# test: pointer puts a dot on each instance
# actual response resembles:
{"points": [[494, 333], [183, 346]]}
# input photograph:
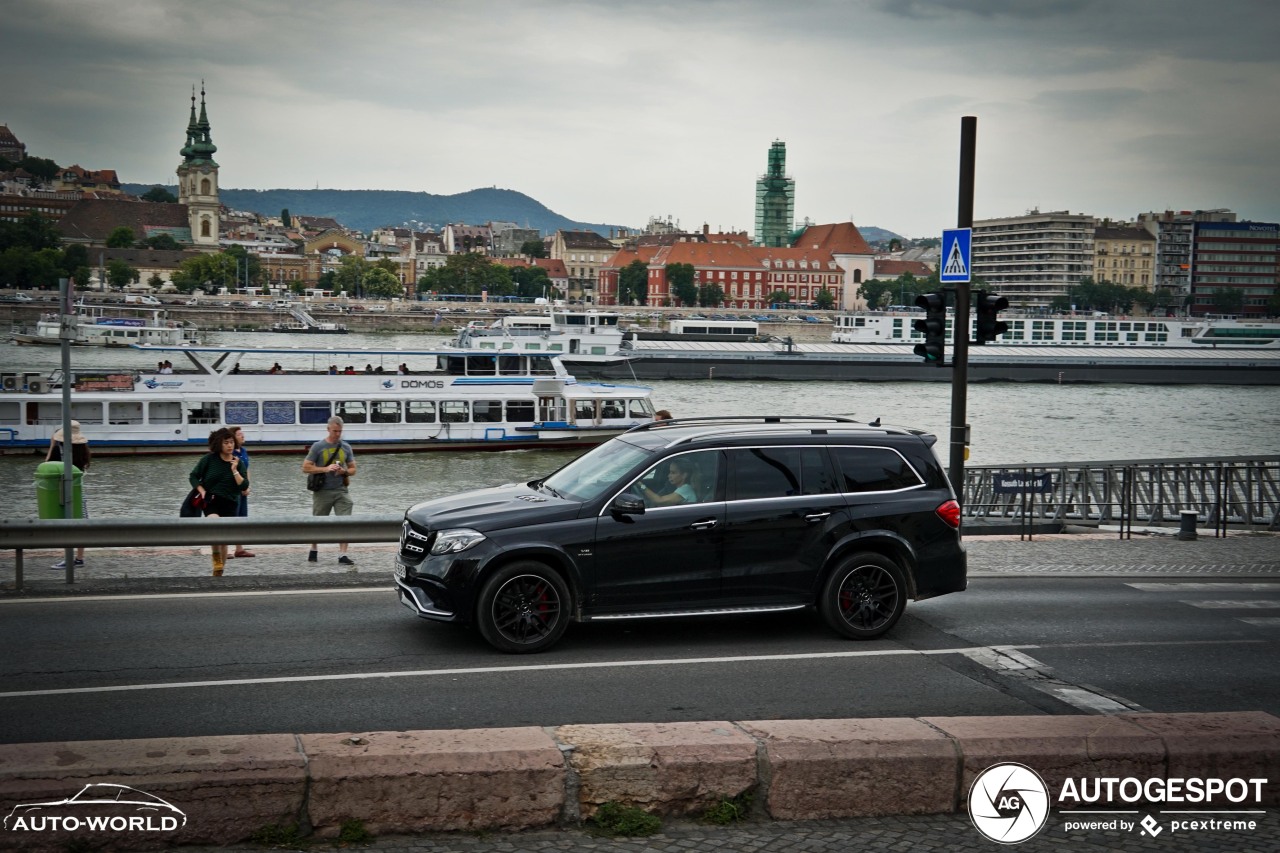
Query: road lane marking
{"points": [[489, 670], [1231, 604], [1264, 586], [1010, 661], [383, 590]]}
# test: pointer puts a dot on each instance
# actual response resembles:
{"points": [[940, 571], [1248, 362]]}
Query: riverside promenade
{"points": [[147, 570]]}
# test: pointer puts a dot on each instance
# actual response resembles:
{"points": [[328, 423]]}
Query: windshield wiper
{"points": [[543, 485]]}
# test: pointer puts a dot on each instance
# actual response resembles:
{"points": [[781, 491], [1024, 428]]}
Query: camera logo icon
{"points": [[1008, 803]]}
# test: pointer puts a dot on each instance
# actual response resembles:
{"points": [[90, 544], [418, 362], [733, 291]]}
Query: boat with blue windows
{"points": [[390, 400]]}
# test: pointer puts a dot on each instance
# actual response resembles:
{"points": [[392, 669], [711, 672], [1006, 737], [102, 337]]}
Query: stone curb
{"points": [[231, 787]]}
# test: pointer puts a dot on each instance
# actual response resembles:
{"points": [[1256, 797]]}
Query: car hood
{"points": [[493, 509]]}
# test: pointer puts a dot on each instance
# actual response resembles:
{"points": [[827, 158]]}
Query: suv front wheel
{"points": [[523, 607], [864, 596]]}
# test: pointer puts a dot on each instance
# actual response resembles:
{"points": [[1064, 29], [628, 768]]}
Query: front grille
{"points": [[415, 542]]}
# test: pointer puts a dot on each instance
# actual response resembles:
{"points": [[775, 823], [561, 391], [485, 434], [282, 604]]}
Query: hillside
{"points": [[365, 210]]}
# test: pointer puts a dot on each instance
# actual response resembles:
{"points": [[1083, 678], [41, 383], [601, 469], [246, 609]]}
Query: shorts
{"points": [[335, 500]]}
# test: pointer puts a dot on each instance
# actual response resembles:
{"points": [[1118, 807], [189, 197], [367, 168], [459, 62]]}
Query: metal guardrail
{"points": [[1242, 491], [20, 534]]}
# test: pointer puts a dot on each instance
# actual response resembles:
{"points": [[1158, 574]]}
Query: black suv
{"points": [[692, 517]]}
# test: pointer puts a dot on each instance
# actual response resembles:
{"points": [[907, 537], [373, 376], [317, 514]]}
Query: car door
{"points": [[668, 557], [783, 514]]}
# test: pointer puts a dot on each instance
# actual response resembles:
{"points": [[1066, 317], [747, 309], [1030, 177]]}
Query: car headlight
{"points": [[456, 541]]}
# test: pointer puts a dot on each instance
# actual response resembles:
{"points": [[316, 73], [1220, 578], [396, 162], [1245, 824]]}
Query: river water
{"points": [[1010, 424]]}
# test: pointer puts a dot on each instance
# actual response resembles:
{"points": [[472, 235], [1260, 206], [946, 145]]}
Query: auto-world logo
{"points": [[100, 807], [1008, 803]]}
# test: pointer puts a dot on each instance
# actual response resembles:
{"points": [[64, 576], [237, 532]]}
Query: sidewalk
{"points": [[141, 570]]}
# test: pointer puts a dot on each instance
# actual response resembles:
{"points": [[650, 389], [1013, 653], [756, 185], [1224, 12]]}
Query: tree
{"points": [[285, 219], [350, 274], [680, 279], [248, 267], [32, 231], [120, 275], [206, 272], [381, 284], [75, 264], [1228, 300], [467, 274], [633, 284], [533, 249], [155, 281], [826, 299], [531, 282], [121, 237], [42, 167], [710, 295], [162, 241], [160, 195], [779, 297]]}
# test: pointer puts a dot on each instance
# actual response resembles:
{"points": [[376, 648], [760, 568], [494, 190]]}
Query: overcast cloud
{"points": [[614, 112]]}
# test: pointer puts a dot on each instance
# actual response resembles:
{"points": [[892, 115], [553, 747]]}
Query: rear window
{"points": [[873, 469]]}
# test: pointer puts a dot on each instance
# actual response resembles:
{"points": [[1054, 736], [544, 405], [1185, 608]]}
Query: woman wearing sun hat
{"points": [[80, 458]]}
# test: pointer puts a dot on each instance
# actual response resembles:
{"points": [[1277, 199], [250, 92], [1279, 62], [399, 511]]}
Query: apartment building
{"points": [[1235, 267], [1124, 255], [1033, 258], [583, 253], [1173, 232]]}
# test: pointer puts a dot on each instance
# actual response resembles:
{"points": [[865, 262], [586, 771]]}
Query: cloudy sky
{"points": [[617, 111]]}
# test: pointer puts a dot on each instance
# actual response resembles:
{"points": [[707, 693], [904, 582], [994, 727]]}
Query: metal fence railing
{"points": [[1241, 491]]}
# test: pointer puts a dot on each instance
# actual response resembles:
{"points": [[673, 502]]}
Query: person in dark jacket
{"points": [[221, 484]]}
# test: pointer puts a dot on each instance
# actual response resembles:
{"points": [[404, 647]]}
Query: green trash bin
{"points": [[49, 490]]}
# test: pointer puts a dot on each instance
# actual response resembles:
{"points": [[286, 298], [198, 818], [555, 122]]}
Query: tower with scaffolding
{"points": [[775, 200]]}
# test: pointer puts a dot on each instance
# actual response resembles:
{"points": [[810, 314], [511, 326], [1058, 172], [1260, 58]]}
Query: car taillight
{"points": [[950, 513]]}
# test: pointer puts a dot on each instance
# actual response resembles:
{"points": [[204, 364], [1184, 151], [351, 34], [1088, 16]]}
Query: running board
{"points": [[663, 614]]}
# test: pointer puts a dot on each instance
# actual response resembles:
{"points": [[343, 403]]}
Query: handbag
{"points": [[315, 482], [193, 505]]}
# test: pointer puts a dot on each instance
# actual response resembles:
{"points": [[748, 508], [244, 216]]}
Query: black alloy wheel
{"points": [[523, 607], [864, 597]]}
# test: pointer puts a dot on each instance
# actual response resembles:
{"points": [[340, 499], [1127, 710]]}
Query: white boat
{"points": [[108, 326], [895, 327], [448, 400], [565, 332]]}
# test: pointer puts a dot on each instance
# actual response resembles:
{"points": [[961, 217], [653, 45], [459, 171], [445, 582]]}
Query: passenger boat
{"points": [[447, 400], [890, 327], [109, 326]]}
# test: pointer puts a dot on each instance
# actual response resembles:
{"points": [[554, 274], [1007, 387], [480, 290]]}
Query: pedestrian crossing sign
{"points": [[956, 257]]}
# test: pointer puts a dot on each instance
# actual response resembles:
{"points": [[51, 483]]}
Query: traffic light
{"points": [[933, 327], [989, 325]]}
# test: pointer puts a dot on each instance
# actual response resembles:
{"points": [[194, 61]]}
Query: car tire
{"points": [[864, 596], [523, 608]]}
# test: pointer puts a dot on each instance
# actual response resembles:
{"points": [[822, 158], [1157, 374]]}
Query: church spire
{"points": [[191, 129], [202, 147]]}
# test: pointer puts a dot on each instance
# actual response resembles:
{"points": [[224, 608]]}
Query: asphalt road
{"points": [[80, 668]]}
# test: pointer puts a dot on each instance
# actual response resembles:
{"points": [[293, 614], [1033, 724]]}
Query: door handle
{"points": [[703, 525], [816, 516]]}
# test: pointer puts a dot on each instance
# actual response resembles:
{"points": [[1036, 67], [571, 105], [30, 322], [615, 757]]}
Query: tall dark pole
{"points": [[67, 329], [960, 326]]}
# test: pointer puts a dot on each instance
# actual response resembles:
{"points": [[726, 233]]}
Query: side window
{"points": [[684, 479], [873, 469], [816, 475], [765, 472]]}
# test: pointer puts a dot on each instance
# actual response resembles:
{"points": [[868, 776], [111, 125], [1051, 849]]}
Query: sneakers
{"points": [[346, 561], [62, 564], [313, 557]]}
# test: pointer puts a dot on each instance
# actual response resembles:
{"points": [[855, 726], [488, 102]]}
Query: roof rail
{"points": [[744, 419]]}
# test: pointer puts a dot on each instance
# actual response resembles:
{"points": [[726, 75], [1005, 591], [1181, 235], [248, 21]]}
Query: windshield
{"points": [[592, 473]]}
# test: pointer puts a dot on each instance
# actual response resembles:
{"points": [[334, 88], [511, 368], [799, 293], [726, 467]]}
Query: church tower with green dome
{"points": [[198, 178]]}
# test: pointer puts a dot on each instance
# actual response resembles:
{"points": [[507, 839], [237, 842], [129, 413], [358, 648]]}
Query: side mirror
{"points": [[627, 504]]}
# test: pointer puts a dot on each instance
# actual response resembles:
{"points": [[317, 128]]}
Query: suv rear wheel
{"points": [[523, 607], [864, 596]]}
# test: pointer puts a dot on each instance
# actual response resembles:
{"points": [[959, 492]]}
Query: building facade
{"points": [[1034, 258], [1173, 232], [1235, 267], [583, 253], [1124, 255]]}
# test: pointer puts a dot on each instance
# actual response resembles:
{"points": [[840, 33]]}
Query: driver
{"points": [[678, 477]]}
